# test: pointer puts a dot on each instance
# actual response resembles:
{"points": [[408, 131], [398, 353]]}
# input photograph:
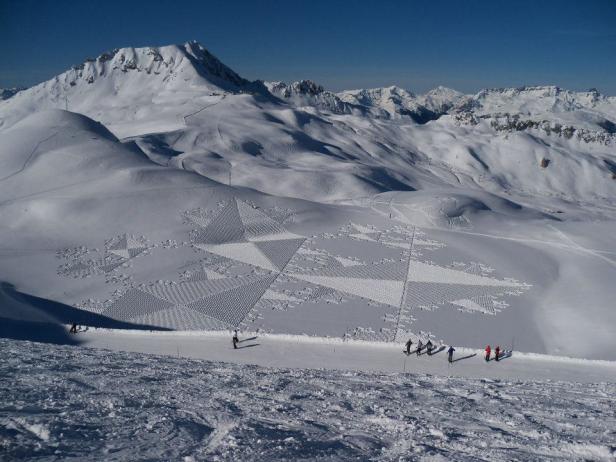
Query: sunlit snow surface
{"points": [[68, 403]]}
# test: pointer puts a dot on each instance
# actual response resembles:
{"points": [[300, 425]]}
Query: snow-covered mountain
{"points": [[395, 101], [305, 93], [144, 86], [284, 200], [6, 93], [440, 99], [589, 114]]}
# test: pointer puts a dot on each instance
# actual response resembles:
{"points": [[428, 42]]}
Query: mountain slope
{"points": [[143, 86]]}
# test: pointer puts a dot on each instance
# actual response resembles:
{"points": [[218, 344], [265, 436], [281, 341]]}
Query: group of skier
{"points": [[429, 346], [497, 353]]}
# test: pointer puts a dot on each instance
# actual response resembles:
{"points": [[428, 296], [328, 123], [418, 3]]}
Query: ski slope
{"points": [[81, 403]]}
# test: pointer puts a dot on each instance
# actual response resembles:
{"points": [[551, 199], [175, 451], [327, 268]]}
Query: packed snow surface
{"points": [[59, 402]]}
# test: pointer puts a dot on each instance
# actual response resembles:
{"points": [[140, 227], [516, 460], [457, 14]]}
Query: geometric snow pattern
{"points": [[233, 305], [126, 247], [388, 292], [181, 318], [135, 303], [120, 252], [243, 233], [428, 295], [256, 223], [228, 287], [279, 252], [225, 227], [424, 272], [187, 292], [382, 271], [246, 252]]}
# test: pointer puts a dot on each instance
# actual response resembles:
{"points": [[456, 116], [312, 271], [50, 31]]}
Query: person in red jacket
{"points": [[497, 352], [488, 351]]}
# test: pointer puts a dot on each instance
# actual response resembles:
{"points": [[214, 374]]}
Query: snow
{"points": [[162, 200], [66, 402], [301, 211]]}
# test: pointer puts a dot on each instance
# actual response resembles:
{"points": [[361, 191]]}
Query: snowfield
{"points": [[155, 187], [159, 200], [60, 402]]}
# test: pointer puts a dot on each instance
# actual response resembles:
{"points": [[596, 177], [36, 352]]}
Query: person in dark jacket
{"points": [[450, 353], [497, 353], [408, 346], [73, 329], [429, 347], [419, 347], [235, 339]]}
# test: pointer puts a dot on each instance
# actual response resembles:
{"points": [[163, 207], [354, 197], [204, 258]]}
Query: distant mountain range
{"points": [[394, 138]]}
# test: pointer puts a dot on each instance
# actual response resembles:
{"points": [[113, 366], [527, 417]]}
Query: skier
{"points": [[488, 351], [408, 346], [429, 347], [497, 352], [419, 347], [450, 353], [73, 329], [235, 339]]}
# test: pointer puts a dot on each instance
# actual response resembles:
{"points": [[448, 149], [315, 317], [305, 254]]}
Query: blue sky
{"points": [[463, 44]]}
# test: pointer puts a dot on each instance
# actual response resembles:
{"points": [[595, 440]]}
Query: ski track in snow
{"points": [[72, 403]]}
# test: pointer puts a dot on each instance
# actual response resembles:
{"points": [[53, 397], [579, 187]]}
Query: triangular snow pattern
{"points": [[232, 306], [378, 290], [181, 318], [280, 252], [121, 244], [384, 271], [123, 253], [134, 251], [189, 291], [246, 252], [226, 227], [135, 303], [257, 223], [426, 294], [468, 304], [424, 272]]}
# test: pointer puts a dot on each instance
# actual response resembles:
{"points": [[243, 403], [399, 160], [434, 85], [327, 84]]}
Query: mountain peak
{"points": [[188, 58]]}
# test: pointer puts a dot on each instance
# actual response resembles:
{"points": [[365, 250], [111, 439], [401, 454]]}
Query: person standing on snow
{"points": [[235, 339], [429, 347], [419, 347], [450, 353], [408, 346], [73, 329], [497, 352], [488, 351]]}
